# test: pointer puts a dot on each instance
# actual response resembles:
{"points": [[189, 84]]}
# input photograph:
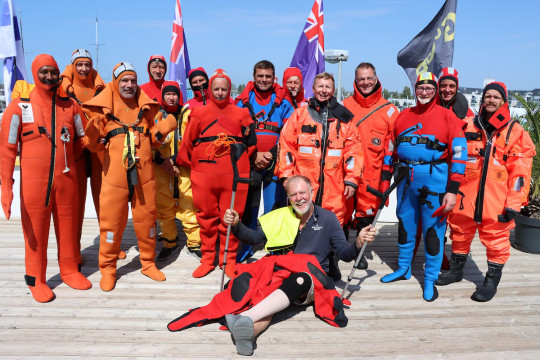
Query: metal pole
{"points": [[339, 98]]}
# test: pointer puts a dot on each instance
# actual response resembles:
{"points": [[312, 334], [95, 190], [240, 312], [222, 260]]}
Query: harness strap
{"points": [[413, 140], [261, 125], [214, 138], [124, 130]]}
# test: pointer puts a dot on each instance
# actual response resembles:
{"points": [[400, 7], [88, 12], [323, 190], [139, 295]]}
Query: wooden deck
{"points": [[386, 321]]}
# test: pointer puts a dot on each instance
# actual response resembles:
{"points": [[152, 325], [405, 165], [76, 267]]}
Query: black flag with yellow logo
{"points": [[432, 49]]}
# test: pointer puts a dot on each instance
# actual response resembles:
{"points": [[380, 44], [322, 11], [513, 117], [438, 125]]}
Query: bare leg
{"points": [[262, 325]]}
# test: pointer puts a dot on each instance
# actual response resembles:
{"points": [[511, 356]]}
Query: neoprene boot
{"points": [[455, 274], [488, 290]]}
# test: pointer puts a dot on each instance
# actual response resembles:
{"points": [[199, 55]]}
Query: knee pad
{"points": [[433, 246], [402, 234], [296, 285]]}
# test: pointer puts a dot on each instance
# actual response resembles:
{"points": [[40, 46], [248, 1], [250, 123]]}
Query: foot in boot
{"points": [[195, 251], [230, 319], [107, 282], [153, 273], [455, 274], [166, 253], [230, 270], [76, 281], [488, 290], [362, 264], [122, 255], [41, 293], [203, 270], [399, 274], [430, 291], [243, 335]]}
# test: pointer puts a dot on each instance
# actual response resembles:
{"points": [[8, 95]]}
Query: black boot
{"points": [[455, 274], [488, 290]]}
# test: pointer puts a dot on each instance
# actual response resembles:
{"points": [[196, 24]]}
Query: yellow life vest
{"points": [[280, 227]]}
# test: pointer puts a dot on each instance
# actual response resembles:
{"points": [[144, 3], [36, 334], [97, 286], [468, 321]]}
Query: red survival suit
{"points": [[496, 183], [205, 148], [258, 280], [126, 130], [373, 121], [153, 87], [83, 88], [298, 100], [48, 129], [330, 156]]}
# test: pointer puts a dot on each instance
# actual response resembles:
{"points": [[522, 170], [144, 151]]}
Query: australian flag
{"points": [[11, 48], [309, 54], [432, 49], [179, 61]]}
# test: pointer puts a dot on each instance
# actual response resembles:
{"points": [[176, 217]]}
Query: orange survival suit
{"points": [[374, 119], [48, 129], [496, 183], [83, 88], [318, 141], [125, 130], [206, 149]]}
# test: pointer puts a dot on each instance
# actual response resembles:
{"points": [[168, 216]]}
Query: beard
{"points": [[299, 211], [424, 101]]}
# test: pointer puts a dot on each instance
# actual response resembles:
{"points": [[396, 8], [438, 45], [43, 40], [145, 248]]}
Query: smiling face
{"points": [[48, 75], [425, 93], [365, 80], [447, 89], [263, 79], [127, 86], [300, 195], [493, 100], [157, 70], [323, 89], [83, 67], [294, 85]]}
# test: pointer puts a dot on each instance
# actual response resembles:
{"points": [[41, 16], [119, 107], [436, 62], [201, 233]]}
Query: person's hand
{"points": [[230, 217], [169, 166], [7, 197], [366, 234], [349, 191], [262, 159], [449, 201]]}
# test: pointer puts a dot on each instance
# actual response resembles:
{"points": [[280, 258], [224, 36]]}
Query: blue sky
{"points": [[492, 38]]}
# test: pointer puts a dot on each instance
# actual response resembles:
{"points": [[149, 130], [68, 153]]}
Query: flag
{"points": [[179, 61], [309, 54], [433, 48], [11, 48]]}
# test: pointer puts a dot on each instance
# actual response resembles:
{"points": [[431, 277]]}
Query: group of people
{"points": [[169, 159]]}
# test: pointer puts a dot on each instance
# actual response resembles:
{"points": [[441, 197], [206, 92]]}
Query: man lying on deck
{"points": [[307, 234]]}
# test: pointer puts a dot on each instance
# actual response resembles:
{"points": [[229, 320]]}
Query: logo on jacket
{"points": [[317, 227], [376, 141]]}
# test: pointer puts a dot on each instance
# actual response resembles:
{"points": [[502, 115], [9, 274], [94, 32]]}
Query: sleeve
{"points": [[186, 147], [288, 110], [457, 148], [354, 158], [344, 251], [249, 236], [287, 148], [10, 131], [518, 165], [389, 156], [80, 121], [94, 131]]}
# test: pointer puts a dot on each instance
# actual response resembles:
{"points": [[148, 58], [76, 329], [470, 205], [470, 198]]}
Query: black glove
{"points": [[508, 215]]}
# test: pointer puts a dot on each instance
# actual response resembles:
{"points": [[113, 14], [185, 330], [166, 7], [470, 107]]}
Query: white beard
{"points": [[423, 101]]}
